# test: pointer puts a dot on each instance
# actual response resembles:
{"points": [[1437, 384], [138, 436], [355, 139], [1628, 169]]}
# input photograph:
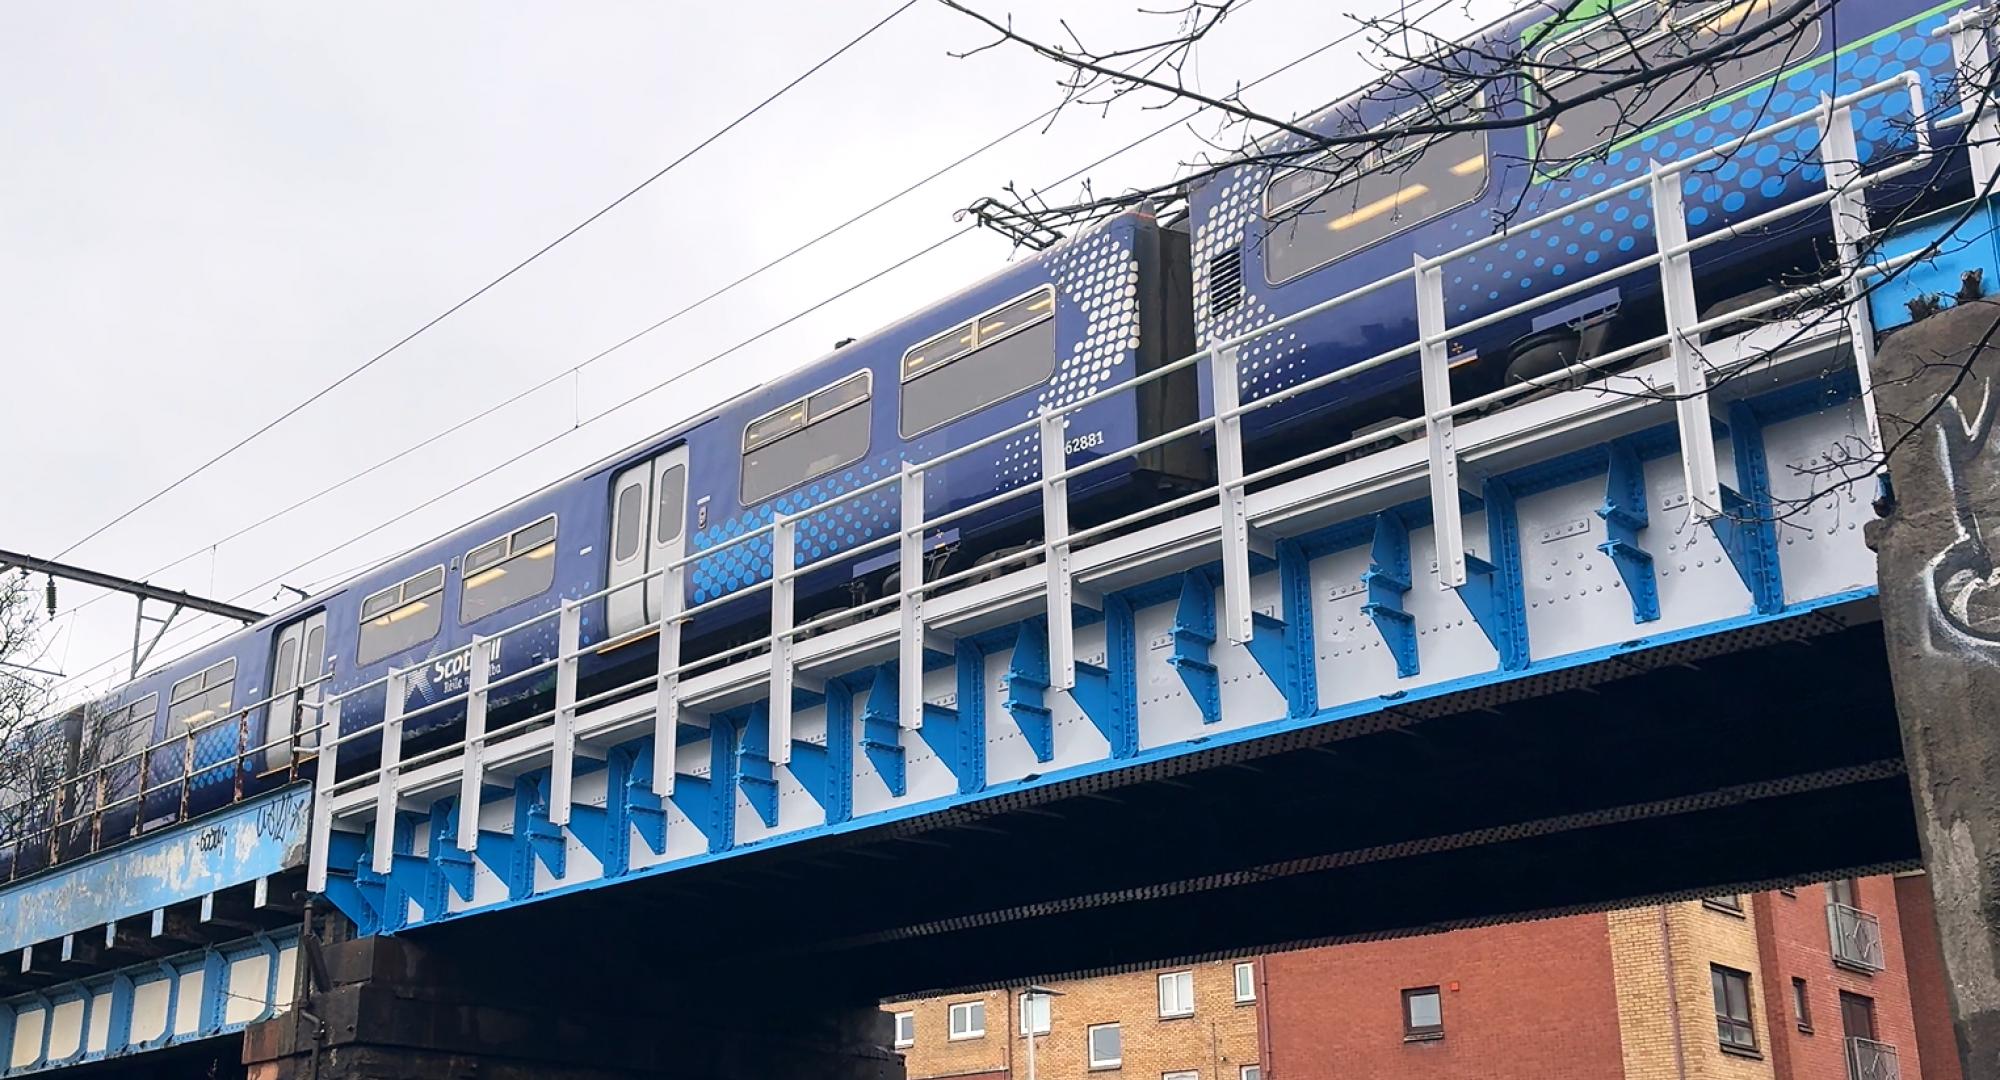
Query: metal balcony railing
{"points": [[1871, 1060], [1855, 937]]}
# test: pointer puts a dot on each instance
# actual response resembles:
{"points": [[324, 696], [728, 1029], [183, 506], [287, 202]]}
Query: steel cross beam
{"points": [[127, 585]]}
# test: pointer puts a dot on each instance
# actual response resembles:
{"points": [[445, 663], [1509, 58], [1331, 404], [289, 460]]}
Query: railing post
{"points": [[562, 751], [1972, 51], [1055, 553], [1225, 392], [910, 647], [667, 682], [1704, 485], [784, 557], [1841, 158], [472, 780], [1434, 365], [242, 753], [325, 765], [386, 780]]}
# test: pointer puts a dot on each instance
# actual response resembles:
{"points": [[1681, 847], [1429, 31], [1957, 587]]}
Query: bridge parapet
{"points": [[183, 934]]}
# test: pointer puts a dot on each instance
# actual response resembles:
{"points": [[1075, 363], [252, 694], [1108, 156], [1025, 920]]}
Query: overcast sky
{"points": [[208, 211]]}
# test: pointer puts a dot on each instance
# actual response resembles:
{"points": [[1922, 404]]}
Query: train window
{"points": [[1650, 35], [125, 729], [401, 616], [1004, 352], [626, 543], [203, 698], [667, 520], [514, 568], [808, 438], [1335, 206]]}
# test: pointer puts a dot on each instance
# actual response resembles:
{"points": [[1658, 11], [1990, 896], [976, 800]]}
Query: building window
{"points": [[401, 617], [1801, 1007], [806, 439], [1246, 982], [1732, 903], [1184, 1074], [1007, 351], [1251, 1072], [968, 1020], [1846, 892], [1106, 1046], [906, 1029], [1423, 1014], [508, 570], [1733, 1026], [1034, 1014], [1177, 994]]}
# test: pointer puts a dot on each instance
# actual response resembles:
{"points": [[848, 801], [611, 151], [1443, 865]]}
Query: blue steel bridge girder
{"points": [[1341, 605]]}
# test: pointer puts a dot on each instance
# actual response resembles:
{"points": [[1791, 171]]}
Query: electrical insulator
{"points": [[52, 597]]}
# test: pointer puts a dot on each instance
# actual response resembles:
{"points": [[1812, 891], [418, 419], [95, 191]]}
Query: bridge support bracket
{"points": [[1625, 516], [1109, 693], [1745, 527], [1493, 591], [1027, 684], [1387, 579]]}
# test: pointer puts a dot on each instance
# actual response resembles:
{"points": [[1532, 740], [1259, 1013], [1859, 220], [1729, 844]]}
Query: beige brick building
{"points": [[1187, 1023]]}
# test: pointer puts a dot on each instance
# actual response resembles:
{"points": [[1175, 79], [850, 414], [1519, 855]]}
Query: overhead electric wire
{"points": [[484, 289], [634, 398]]}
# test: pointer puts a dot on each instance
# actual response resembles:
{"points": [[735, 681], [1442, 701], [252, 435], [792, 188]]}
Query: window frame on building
{"points": [[1046, 1013], [1181, 1074], [1801, 1005], [1184, 983], [1729, 904], [906, 1019], [1245, 984], [1250, 1072], [1090, 1046], [1845, 892], [1734, 1034], [1413, 1031], [952, 1012]]}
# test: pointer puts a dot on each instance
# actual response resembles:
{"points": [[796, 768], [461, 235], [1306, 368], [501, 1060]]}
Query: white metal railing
{"points": [[1854, 936], [1871, 1060], [1847, 183]]}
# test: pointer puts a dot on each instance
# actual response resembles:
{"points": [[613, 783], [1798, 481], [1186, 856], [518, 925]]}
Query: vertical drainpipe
{"points": [[1262, 1008], [1673, 996]]}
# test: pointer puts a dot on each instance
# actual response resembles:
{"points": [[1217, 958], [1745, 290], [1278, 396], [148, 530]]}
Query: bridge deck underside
{"points": [[1760, 756]]}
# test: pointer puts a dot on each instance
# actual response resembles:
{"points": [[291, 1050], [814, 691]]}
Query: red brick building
{"points": [[1813, 983]]}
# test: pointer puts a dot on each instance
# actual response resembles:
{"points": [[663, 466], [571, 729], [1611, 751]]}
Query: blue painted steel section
{"points": [[881, 731], [826, 770], [1625, 516], [1109, 694], [247, 841], [957, 735], [1027, 686], [1492, 591], [1234, 736], [756, 777], [115, 992], [1282, 644], [1747, 529], [1387, 579], [1194, 638]]}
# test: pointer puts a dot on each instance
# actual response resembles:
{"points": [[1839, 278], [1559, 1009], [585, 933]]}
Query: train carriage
{"points": [[1273, 239]]}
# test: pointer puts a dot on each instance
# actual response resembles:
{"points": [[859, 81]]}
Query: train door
{"points": [[297, 661], [648, 520]]}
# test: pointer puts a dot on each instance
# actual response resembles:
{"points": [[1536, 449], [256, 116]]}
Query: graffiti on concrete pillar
{"points": [[1964, 582]]}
